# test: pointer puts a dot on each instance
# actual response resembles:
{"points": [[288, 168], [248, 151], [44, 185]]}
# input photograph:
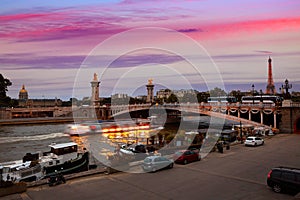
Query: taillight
{"points": [[269, 174]]}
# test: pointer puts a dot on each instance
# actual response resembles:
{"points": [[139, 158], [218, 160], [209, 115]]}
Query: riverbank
{"points": [[47, 120]]}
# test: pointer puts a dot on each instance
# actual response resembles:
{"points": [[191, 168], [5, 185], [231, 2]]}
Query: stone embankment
{"points": [[36, 120]]}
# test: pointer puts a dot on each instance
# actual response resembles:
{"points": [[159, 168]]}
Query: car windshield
{"points": [[178, 153], [147, 160], [249, 138]]}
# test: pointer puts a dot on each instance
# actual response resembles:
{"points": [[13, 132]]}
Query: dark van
{"points": [[284, 179]]}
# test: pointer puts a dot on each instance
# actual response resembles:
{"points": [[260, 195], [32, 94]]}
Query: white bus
{"points": [[266, 99], [222, 99]]}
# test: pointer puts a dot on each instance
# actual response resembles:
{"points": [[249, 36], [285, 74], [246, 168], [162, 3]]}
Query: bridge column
{"points": [[275, 119], [261, 117], [239, 113], [249, 115]]}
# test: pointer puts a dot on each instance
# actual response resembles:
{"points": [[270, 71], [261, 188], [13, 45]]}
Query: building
{"points": [[182, 92], [23, 94], [163, 93], [25, 102]]}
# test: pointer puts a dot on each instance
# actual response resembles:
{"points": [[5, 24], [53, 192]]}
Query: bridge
{"points": [[219, 110]]}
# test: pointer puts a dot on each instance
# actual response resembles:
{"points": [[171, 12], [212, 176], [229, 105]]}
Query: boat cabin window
{"points": [[64, 150]]}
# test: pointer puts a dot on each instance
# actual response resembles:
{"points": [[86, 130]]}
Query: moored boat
{"points": [[64, 158]]}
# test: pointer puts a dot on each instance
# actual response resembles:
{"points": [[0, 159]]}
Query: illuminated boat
{"points": [[109, 127]]}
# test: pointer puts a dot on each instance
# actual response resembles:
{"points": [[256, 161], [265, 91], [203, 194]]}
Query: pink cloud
{"points": [[56, 25], [220, 30]]}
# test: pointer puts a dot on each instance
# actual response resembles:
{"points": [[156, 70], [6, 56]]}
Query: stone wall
{"points": [[290, 118], [5, 113]]}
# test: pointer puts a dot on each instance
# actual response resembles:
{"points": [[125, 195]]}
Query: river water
{"points": [[16, 141]]}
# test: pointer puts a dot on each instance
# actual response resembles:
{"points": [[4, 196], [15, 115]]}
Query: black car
{"points": [[284, 179]]}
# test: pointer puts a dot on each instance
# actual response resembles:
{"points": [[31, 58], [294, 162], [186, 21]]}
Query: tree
{"points": [[216, 92], [172, 99], [4, 83], [189, 97], [202, 96], [237, 94]]}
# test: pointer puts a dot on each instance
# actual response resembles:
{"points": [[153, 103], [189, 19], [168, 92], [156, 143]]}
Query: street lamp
{"points": [[241, 132], [261, 93], [253, 92], [286, 86], [44, 101]]}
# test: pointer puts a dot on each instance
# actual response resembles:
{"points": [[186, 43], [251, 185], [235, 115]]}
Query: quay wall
{"points": [[36, 120]]}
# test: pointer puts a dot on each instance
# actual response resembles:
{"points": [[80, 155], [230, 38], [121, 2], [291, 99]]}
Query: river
{"points": [[16, 141]]}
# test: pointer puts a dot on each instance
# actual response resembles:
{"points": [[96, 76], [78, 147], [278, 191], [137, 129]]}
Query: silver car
{"points": [[155, 163]]}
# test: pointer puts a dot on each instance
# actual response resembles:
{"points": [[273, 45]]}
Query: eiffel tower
{"points": [[270, 86]]}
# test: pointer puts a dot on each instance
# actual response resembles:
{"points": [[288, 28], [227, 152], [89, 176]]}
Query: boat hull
{"points": [[69, 167]]}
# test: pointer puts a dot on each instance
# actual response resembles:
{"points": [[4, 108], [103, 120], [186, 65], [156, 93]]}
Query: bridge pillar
{"points": [[261, 117], [239, 113], [249, 115], [275, 119]]}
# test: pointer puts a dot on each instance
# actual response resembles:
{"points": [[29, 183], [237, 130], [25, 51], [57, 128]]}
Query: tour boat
{"points": [[63, 158], [85, 128]]}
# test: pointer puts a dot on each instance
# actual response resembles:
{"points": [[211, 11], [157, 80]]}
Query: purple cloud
{"points": [[264, 52], [136, 60], [190, 30], [32, 61]]}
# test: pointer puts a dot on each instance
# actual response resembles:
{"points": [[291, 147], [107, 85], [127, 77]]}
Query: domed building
{"points": [[24, 101], [23, 94]]}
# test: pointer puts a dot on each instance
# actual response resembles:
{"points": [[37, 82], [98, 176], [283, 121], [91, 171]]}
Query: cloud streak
{"points": [[31, 61]]}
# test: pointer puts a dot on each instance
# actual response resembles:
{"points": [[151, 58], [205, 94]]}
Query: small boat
{"points": [[63, 158]]}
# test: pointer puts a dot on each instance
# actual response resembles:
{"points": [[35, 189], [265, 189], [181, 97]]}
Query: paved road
{"points": [[239, 173]]}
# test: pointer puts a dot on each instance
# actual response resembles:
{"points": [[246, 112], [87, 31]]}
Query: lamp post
{"points": [[253, 92], [44, 100], [241, 132], [261, 93], [286, 86]]}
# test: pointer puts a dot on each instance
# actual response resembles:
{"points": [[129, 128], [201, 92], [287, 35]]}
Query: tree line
{"points": [[5, 101]]}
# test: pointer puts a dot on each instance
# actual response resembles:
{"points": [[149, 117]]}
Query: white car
{"points": [[254, 141]]}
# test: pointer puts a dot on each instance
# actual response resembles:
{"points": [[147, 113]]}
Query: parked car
{"points": [[186, 156], [155, 163], [284, 179], [254, 141]]}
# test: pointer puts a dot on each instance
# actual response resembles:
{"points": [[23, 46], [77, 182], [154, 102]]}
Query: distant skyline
{"points": [[44, 44]]}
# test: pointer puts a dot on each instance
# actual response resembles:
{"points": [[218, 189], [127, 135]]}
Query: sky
{"points": [[55, 47]]}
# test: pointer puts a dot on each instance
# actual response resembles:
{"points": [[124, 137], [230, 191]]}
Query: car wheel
{"points": [[277, 188], [185, 162], [255, 144], [154, 169], [171, 166], [262, 143]]}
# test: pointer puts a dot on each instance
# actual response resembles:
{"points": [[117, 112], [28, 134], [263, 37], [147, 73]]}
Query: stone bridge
{"points": [[219, 110], [286, 118]]}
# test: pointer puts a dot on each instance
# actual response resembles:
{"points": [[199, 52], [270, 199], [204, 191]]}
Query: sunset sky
{"points": [[47, 45]]}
